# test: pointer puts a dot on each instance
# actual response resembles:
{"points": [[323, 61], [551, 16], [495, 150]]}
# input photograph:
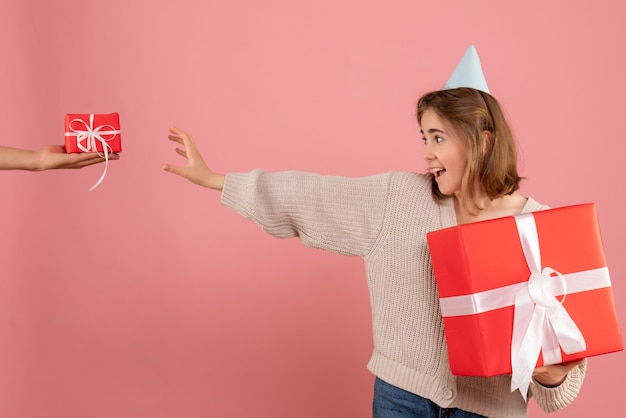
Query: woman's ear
{"points": [[487, 139]]}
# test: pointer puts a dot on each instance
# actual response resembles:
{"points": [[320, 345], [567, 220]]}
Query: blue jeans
{"points": [[393, 402]]}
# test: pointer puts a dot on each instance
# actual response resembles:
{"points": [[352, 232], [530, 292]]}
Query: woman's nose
{"points": [[428, 154]]}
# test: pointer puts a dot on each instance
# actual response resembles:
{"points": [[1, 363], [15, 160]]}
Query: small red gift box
{"points": [[93, 133], [532, 288]]}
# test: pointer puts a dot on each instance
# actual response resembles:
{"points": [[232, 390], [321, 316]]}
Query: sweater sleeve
{"points": [[553, 399], [333, 213]]}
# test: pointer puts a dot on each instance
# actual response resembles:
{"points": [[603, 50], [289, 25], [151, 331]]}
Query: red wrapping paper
{"points": [[476, 257], [89, 133]]}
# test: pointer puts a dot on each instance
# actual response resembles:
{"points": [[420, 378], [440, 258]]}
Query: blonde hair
{"points": [[471, 112]]}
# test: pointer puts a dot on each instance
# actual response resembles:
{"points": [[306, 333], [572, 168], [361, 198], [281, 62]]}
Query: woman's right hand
{"points": [[196, 170]]}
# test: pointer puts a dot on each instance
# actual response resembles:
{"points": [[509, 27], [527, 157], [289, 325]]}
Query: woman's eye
{"points": [[435, 139]]}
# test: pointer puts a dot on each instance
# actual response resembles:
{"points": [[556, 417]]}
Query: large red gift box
{"points": [[501, 281], [92, 133]]}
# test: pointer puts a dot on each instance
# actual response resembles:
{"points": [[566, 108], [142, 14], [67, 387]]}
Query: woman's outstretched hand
{"points": [[55, 157], [196, 170], [48, 158]]}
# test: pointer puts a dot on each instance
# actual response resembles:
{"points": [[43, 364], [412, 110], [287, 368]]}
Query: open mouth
{"points": [[437, 172]]}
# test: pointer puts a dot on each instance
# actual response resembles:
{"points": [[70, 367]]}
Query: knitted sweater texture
{"points": [[384, 220]]}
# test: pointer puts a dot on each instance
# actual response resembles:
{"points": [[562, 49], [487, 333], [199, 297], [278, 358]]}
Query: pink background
{"points": [[146, 298]]}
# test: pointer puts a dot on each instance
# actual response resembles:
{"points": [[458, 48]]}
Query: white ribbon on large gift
{"points": [[541, 323], [88, 138]]}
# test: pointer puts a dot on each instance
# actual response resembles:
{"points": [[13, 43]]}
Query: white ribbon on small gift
{"points": [[541, 323], [88, 138]]}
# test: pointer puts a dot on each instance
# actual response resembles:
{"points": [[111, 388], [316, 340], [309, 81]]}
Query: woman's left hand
{"points": [[553, 375]]}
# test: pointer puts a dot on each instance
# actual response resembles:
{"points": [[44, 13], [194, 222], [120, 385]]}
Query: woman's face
{"points": [[444, 152]]}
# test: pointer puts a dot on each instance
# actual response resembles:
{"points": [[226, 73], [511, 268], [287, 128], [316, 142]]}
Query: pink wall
{"points": [[146, 298]]}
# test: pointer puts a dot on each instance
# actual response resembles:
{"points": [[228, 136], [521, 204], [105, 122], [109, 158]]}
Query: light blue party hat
{"points": [[468, 73]]}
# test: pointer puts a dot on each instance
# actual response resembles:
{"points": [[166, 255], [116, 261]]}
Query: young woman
{"points": [[384, 219]]}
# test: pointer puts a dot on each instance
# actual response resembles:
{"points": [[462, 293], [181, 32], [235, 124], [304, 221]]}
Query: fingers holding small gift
{"points": [[84, 160], [55, 157]]}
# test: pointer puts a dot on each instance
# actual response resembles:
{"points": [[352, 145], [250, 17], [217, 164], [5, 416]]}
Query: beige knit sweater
{"points": [[384, 219]]}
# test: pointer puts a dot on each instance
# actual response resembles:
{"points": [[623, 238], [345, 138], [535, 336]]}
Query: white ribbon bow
{"points": [[87, 140], [541, 322]]}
